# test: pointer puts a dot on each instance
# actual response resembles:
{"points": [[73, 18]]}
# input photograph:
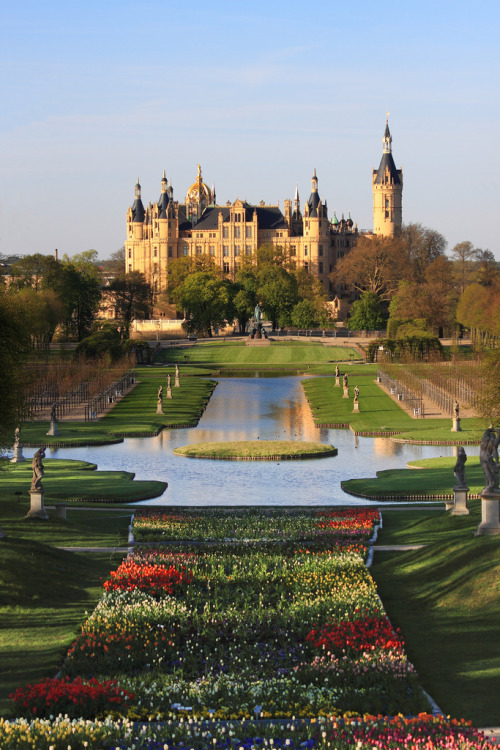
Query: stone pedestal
{"points": [[53, 430], [159, 408], [169, 392], [355, 406], [177, 383], [456, 425], [18, 457], [37, 508], [449, 504], [490, 515], [379, 379], [337, 381], [460, 508], [346, 393]]}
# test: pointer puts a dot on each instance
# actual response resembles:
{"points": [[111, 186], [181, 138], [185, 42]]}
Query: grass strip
{"points": [[378, 413], [134, 415], [75, 481], [434, 477], [291, 354], [446, 600], [266, 450], [44, 596]]}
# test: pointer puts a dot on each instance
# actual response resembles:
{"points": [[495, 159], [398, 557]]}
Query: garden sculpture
{"points": [[488, 457], [37, 466], [345, 381], [356, 393], [459, 469], [456, 409], [337, 371], [53, 413]]}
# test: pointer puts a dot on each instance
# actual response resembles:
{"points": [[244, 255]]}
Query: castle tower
{"points": [[138, 213], [387, 184]]}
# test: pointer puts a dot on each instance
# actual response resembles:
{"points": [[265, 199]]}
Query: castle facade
{"points": [[167, 229]]}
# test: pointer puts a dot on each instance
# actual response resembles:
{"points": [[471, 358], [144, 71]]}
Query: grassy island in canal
{"points": [[257, 450]]}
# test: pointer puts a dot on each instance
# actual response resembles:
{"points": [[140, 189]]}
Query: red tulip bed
{"points": [[248, 628]]}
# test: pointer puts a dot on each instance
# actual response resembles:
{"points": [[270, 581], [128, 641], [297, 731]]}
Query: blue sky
{"points": [[95, 94]]}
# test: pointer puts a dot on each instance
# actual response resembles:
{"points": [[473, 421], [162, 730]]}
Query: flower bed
{"points": [[422, 733], [255, 524], [293, 635]]}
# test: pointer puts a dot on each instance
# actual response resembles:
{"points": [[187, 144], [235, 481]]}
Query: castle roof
{"points": [[268, 217], [387, 162]]}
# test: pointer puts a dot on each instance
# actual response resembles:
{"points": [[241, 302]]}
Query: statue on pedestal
{"points": [[488, 458], [345, 380], [459, 470], [456, 409], [356, 393], [38, 471], [337, 371]]}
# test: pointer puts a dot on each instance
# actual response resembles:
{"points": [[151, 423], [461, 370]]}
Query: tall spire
{"points": [[387, 139]]}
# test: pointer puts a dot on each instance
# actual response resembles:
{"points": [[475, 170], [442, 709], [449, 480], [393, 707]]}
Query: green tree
{"points": [[45, 311], [278, 293], [81, 294], [367, 313], [132, 298], [180, 268], [245, 295], [207, 302], [304, 314], [35, 271], [14, 349]]}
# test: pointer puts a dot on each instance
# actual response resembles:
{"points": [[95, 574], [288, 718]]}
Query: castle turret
{"points": [[387, 184], [138, 213]]}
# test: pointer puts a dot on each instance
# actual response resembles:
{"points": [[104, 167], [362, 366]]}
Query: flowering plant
{"points": [[155, 579], [75, 698]]}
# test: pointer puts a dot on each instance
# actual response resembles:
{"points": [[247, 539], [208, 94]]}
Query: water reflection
{"points": [[251, 409]]}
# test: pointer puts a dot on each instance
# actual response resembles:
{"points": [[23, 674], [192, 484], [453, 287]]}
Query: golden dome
{"points": [[198, 192]]}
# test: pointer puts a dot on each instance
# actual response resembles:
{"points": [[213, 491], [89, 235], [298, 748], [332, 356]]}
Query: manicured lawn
{"points": [[446, 600], [378, 412], [44, 595], [434, 478], [259, 449], [134, 415], [285, 354], [88, 527]]}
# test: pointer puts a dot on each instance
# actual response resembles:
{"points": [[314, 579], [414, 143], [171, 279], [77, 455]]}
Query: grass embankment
{"points": [[263, 450], [446, 600], [378, 412], [289, 356], [44, 596], [76, 481], [134, 415], [434, 477]]}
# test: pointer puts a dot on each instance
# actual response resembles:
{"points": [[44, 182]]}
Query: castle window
{"points": [[225, 267], [156, 287], [236, 251], [186, 250], [305, 250], [130, 267], [130, 253], [225, 251], [212, 250], [237, 232], [248, 250], [225, 232], [306, 266], [155, 268], [155, 252], [320, 251], [198, 249], [248, 231], [320, 267], [170, 251], [293, 251]]}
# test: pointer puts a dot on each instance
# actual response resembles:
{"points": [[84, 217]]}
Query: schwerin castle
{"points": [[168, 229]]}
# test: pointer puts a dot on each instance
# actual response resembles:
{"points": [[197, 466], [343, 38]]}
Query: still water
{"points": [[251, 409]]}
